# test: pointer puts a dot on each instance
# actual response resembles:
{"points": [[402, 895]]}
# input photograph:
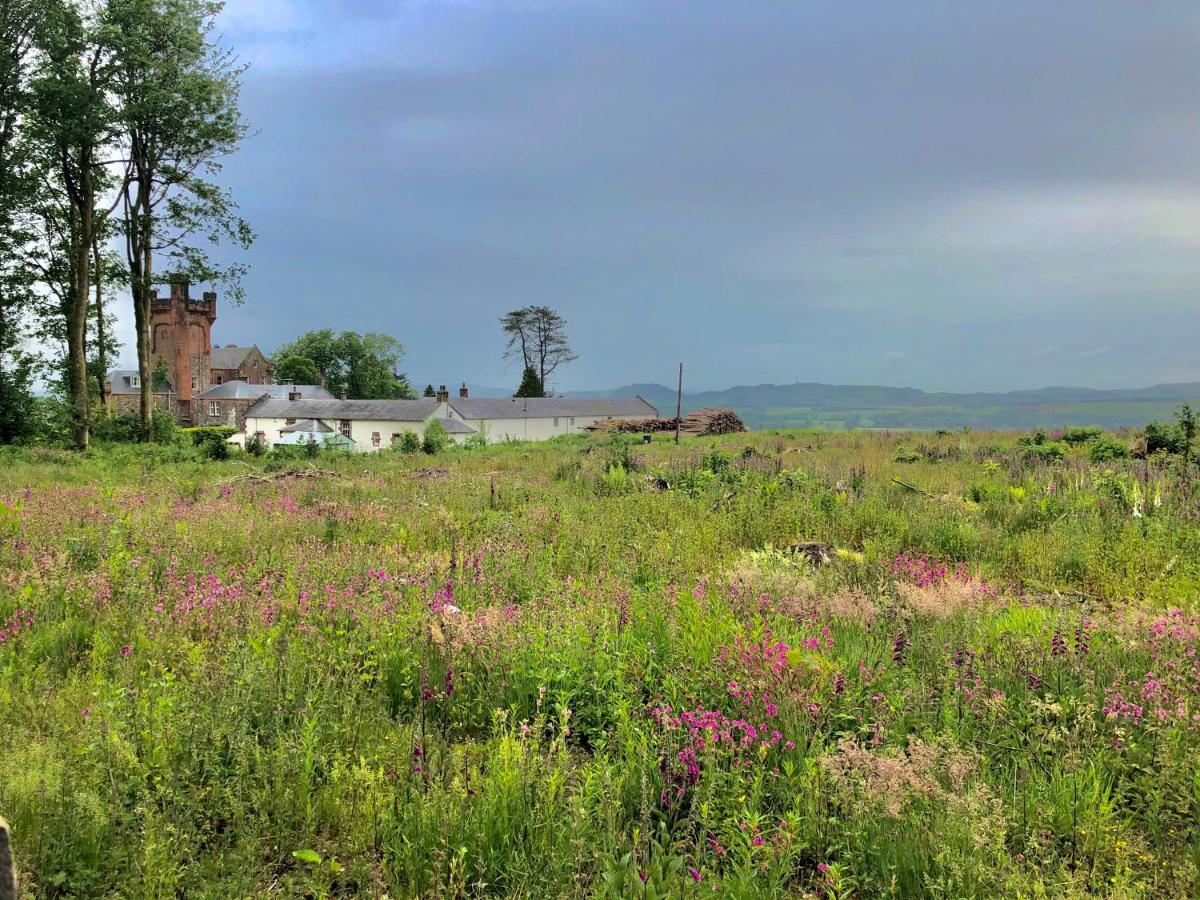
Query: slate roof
{"points": [[122, 381], [229, 357], [542, 407], [242, 390], [308, 426], [455, 426], [335, 440], [377, 410]]}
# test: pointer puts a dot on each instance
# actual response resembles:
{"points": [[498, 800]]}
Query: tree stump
{"points": [[8, 869], [819, 553]]}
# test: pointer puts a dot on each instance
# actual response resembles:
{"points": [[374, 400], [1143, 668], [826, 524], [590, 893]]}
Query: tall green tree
{"points": [[360, 366], [18, 182], [531, 385], [537, 336], [296, 370], [75, 127], [177, 91]]}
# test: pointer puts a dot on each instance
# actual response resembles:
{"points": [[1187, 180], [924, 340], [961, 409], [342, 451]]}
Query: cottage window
{"points": [[374, 438], [556, 421], [135, 380], [214, 408], [344, 427], [220, 379], [572, 421], [195, 383], [289, 421]]}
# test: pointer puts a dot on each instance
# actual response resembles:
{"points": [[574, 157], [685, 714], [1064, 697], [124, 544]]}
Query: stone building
{"points": [[234, 363], [181, 340], [226, 404], [186, 366]]}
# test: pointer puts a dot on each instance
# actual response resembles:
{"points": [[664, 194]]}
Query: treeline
{"points": [[115, 116]]}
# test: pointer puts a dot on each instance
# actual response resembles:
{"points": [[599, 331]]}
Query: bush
{"points": [[1163, 436], [256, 445], [409, 442], [127, 428], [1105, 448], [212, 439], [1050, 451], [436, 437], [1081, 435], [476, 441]]}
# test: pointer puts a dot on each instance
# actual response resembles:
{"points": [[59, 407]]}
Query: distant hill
{"points": [[813, 405]]}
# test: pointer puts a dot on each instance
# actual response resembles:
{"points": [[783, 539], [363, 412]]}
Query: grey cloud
{"points": [[770, 191]]}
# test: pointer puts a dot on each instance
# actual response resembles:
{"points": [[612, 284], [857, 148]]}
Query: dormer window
{"points": [[135, 380]]}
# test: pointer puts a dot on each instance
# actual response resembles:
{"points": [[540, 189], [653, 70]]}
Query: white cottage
{"points": [[541, 418], [371, 424], [378, 424]]}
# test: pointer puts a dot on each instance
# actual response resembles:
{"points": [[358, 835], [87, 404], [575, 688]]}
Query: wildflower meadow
{"points": [[598, 668]]}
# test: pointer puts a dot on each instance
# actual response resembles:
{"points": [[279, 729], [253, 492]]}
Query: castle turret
{"points": [[181, 339]]}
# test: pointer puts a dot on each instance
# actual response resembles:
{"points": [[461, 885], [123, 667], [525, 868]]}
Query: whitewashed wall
{"points": [[362, 431], [533, 428]]}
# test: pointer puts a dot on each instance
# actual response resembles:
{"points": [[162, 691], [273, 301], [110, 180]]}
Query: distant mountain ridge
{"points": [[816, 405]]}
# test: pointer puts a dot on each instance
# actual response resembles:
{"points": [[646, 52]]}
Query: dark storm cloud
{"points": [[916, 193]]}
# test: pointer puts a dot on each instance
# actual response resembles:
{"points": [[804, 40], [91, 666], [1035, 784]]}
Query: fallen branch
{"points": [[277, 476], [912, 487]]}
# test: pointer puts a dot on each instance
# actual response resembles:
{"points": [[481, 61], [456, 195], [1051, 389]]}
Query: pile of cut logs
{"points": [[696, 423]]}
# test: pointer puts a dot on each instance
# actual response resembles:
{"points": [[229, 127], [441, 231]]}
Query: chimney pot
{"points": [[462, 391]]}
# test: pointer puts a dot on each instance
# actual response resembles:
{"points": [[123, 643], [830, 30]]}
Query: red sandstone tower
{"points": [[181, 338]]}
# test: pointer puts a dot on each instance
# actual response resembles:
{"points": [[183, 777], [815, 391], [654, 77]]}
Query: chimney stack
{"points": [[293, 393], [443, 395], [462, 391]]}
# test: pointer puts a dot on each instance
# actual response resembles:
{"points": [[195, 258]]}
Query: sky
{"points": [[944, 195]]}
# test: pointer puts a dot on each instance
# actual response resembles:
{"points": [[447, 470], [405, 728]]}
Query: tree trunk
{"points": [[141, 321], [77, 303], [101, 353], [77, 309], [139, 255]]}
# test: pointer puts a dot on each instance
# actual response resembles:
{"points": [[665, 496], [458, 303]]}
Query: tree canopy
{"points": [[359, 366], [537, 336]]}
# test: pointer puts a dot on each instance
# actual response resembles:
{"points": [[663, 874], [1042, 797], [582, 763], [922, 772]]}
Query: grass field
{"points": [[590, 668]]}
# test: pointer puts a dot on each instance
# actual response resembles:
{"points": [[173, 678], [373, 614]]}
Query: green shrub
{"points": [[1106, 448], [1047, 452], [436, 438], [1163, 436], [1081, 435], [127, 428], [213, 440], [409, 442]]}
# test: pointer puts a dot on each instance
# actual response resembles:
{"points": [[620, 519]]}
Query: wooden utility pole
{"points": [[678, 403]]}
